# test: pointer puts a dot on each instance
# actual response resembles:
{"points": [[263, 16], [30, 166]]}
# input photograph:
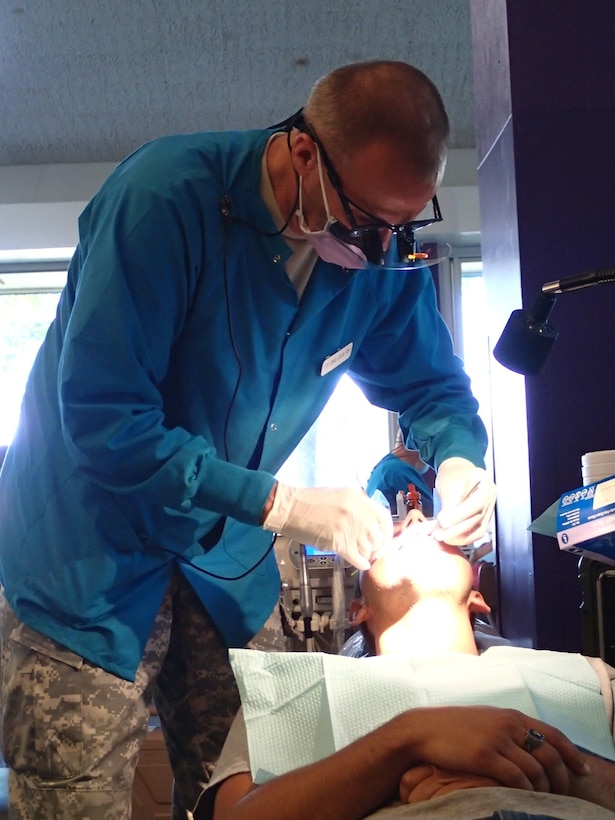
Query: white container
{"points": [[598, 457], [597, 466], [594, 477]]}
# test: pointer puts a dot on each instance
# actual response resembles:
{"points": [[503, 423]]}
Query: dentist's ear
{"points": [[303, 154]]}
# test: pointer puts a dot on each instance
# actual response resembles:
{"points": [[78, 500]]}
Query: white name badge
{"points": [[336, 359]]}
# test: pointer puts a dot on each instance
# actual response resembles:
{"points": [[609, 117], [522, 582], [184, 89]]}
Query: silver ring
{"points": [[532, 740]]}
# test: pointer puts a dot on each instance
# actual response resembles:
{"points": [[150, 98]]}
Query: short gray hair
{"points": [[365, 102]]}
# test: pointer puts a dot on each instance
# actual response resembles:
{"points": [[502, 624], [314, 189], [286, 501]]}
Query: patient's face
{"points": [[432, 568]]}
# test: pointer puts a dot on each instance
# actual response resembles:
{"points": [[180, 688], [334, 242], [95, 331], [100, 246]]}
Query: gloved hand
{"points": [[468, 498], [343, 520]]}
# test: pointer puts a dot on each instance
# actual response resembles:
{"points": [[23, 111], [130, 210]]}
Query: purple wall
{"points": [[545, 119]]}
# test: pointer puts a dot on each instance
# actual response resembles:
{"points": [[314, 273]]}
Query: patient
{"points": [[457, 762], [418, 599]]}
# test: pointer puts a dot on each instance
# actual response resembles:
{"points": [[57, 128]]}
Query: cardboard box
{"points": [[586, 521]]}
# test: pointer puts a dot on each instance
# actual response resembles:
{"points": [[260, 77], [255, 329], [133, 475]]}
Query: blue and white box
{"points": [[586, 521]]}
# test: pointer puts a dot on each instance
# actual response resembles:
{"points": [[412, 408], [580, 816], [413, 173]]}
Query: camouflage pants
{"points": [[71, 732]]}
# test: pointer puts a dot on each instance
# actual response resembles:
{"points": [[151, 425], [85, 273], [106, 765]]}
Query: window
{"points": [[343, 445], [475, 342], [29, 293], [464, 306]]}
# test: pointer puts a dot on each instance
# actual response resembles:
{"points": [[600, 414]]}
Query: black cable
{"points": [[226, 204], [187, 561], [225, 209], [288, 124]]}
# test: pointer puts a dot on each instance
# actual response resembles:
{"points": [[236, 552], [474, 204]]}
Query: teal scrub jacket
{"points": [[392, 475], [180, 372]]}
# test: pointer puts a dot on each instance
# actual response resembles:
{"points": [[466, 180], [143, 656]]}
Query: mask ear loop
{"points": [[299, 212], [325, 200], [323, 190]]}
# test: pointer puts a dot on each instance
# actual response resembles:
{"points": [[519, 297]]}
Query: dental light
{"points": [[528, 336]]}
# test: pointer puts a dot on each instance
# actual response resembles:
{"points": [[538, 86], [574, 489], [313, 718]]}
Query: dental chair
{"points": [[486, 575], [4, 792], [597, 609], [317, 589]]}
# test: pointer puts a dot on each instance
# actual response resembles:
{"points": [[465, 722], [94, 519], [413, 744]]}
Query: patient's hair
{"points": [[389, 607], [389, 603]]}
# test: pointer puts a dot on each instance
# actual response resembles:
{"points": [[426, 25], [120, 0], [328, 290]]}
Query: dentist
{"points": [[222, 284]]}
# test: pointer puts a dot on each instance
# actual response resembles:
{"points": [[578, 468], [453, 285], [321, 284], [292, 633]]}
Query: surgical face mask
{"points": [[328, 247], [383, 244]]}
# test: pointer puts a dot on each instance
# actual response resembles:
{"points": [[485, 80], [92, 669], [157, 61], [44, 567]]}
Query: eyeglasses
{"points": [[403, 251]]}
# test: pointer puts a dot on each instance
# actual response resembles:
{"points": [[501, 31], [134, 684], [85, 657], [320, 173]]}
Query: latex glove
{"points": [[342, 520], [467, 494]]}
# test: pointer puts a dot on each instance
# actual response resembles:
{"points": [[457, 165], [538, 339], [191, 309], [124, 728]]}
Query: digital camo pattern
{"points": [[70, 731], [197, 700], [76, 757]]}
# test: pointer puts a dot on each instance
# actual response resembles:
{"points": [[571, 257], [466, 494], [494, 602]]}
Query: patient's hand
{"points": [[425, 782]]}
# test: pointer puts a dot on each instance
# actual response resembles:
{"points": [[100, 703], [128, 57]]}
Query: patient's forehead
{"points": [[427, 563]]}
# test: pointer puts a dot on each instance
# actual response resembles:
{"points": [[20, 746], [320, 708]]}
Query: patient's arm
{"points": [[424, 782], [359, 778], [599, 786]]}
